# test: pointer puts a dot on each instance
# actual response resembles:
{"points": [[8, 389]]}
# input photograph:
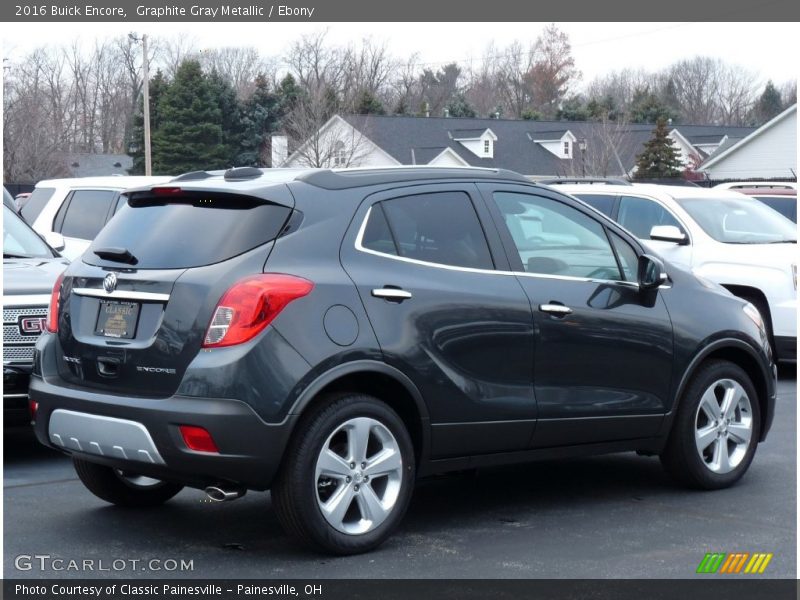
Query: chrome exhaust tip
{"points": [[222, 494]]}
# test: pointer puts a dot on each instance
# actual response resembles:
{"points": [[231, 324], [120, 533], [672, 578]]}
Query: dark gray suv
{"points": [[334, 335]]}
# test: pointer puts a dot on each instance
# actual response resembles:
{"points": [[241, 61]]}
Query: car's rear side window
{"points": [[602, 202], [440, 228], [36, 203], [83, 215], [183, 233]]}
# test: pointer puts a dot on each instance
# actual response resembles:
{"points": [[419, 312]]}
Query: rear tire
{"points": [[347, 476], [716, 429], [122, 489]]}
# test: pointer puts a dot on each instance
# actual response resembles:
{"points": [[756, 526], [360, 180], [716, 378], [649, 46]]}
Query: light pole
{"points": [[582, 148], [148, 166]]}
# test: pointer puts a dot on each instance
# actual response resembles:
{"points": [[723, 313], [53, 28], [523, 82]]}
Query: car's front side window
{"points": [[553, 238], [440, 228], [640, 215]]}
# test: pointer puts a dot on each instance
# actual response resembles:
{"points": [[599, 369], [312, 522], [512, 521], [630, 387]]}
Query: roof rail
{"points": [[242, 173], [193, 176], [591, 180], [350, 178]]}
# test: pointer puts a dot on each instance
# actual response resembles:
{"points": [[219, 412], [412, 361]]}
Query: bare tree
{"points": [[239, 66], [319, 146]]}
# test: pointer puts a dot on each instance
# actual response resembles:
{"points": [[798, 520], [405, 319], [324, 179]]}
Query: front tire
{"points": [[347, 477], [716, 430], [121, 488]]}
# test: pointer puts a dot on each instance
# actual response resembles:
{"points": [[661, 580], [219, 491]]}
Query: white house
{"points": [[533, 148], [769, 152]]}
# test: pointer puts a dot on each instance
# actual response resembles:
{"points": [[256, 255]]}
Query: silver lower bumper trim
{"points": [[103, 436]]}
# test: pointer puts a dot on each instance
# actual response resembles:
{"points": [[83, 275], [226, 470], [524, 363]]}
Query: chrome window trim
{"points": [[121, 294], [360, 248]]}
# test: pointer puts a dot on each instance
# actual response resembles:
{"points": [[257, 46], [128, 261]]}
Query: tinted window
{"points": [[19, 240], [440, 228], [601, 202], [36, 202], [86, 213], [189, 233], [555, 239], [628, 259], [640, 215], [786, 205], [377, 236]]}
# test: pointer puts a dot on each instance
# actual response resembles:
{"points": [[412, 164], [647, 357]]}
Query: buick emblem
{"points": [[110, 282]]}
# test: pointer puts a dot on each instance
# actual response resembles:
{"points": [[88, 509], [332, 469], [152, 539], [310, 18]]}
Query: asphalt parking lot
{"points": [[608, 517]]}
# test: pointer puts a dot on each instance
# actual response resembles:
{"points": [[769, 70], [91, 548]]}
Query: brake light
{"points": [[198, 439], [250, 305], [52, 311], [33, 407], [166, 191]]}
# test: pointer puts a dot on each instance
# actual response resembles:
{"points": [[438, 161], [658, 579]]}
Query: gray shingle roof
{"points": [[467, 134], [514, 148]]}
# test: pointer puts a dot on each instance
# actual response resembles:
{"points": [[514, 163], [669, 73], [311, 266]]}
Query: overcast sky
{"points": [[770, 50]]}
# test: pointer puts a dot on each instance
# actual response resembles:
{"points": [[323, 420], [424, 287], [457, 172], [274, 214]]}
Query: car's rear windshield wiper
{"points": [[122, 255]]}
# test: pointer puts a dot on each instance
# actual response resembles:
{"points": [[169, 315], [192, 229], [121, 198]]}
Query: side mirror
{"points": [[651, 273], [668, 233], [55, 240]]}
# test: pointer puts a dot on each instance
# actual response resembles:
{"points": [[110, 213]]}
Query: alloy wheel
{"points": [[723, 426], [359, 472]]}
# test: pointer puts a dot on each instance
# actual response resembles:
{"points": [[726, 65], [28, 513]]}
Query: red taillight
{"points": [[52, 311], [198, 439], [250, 305], [33, 407], [166, 191]]}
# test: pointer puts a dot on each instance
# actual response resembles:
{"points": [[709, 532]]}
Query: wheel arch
{"points": [[376, 379], [744, 356]]}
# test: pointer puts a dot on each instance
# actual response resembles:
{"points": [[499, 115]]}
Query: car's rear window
{"points": [[36, 203], [183, 233]]}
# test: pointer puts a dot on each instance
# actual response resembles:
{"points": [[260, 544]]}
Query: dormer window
{"points": [[566, 149], [487, 146]]}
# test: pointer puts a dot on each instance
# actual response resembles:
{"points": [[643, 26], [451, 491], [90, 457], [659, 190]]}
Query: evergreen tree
{"points": [[288, 95], [191, 135], [369, 105], [231, 113], [603, 109], [660, 158], [646, 107], [531, 115], [459, 106], [135, 144], [769, 104], [259, 119], [573, 109]]}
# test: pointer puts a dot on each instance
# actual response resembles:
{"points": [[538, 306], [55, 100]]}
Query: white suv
{"points": [[77, 208], [720, 235]]}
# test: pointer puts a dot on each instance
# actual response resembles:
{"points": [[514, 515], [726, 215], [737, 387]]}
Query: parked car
{"points": [[783, 200], [78, 208], [332, 335], [30, 268], [720, 235], [766, 185]]}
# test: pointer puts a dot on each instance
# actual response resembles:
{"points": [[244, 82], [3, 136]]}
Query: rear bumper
{"points": [[250, 449]]}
